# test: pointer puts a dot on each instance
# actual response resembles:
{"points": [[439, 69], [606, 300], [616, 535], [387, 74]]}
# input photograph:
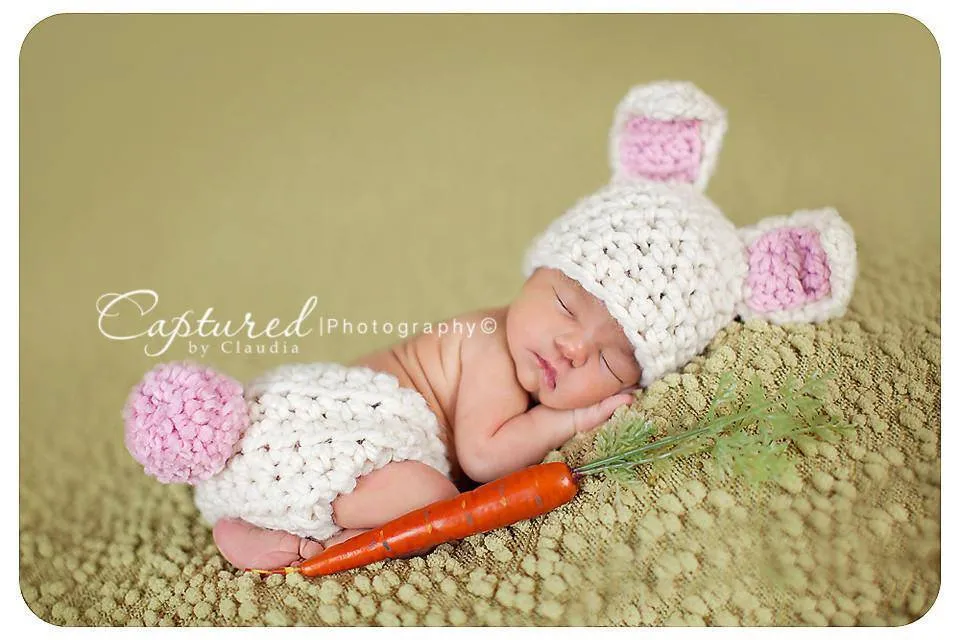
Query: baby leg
{"points": [[389, 492]]}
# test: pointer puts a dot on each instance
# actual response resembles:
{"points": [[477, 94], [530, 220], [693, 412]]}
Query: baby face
{"points": [[568, 350]]}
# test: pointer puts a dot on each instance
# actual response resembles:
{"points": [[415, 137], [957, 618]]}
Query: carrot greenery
{"points": [[748, 439]]}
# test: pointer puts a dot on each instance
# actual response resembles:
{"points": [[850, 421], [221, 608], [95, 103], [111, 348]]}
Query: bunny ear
{"points": [[668, 132], [801, 267]]}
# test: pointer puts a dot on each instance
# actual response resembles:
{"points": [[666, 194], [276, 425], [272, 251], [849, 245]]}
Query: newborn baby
{"points": [[628, 285], [558, 364]]}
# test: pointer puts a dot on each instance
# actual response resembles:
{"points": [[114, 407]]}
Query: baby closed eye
{"points": [[562, 303], [610, 369]]}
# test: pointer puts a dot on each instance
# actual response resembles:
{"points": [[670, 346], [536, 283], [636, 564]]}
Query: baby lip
{"points": [[549, 371]]}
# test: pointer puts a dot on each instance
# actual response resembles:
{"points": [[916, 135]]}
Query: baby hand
{"points": [[589, 418]]}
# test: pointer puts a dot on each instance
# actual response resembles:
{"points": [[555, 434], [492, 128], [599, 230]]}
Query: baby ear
{"points": [[801, 267], [668, 132]]}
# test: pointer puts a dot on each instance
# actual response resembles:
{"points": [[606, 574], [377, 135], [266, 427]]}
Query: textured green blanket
{"points": [[396, 166]]}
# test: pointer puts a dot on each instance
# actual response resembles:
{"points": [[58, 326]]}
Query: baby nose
{"points": [[573, 348]]}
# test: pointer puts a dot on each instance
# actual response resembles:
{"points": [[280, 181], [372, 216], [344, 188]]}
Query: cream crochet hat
{"points": [[667, 263]]}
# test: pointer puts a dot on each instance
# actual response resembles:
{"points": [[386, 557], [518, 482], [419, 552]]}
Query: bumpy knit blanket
{"points": [[855, 540]]}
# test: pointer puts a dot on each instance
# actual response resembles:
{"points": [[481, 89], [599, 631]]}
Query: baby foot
{"points": [[247, 546]]}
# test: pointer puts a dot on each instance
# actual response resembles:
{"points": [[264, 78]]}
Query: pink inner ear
{"points": [[788, 268], [661, 149]]}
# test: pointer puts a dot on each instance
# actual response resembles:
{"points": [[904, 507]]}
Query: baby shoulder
{"points": [[484, 343], [488, 375]]}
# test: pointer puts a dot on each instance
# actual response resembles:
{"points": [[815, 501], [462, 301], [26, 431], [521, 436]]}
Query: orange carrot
{"points": [[518, 496]]}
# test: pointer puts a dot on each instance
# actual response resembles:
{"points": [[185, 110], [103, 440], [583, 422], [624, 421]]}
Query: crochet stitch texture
{"points": [[314, 430], [183, 423]]}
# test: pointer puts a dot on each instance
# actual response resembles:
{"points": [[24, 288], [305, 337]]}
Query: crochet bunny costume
{"points": [[664, 260], [278, 451]]}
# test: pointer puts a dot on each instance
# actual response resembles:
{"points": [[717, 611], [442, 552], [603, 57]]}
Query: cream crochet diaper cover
{"points": [[314, 429]]}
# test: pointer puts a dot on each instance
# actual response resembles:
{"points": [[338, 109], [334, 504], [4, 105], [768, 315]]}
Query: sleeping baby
{"points": [[628, 285]]}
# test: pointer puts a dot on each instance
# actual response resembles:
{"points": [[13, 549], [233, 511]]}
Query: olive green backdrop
{"points": [[395, 166]]}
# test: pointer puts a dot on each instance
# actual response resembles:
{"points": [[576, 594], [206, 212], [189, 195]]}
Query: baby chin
{"points": [[531, 380]]}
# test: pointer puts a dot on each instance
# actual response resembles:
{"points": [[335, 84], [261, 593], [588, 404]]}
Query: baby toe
{"points": [[309, 548]]}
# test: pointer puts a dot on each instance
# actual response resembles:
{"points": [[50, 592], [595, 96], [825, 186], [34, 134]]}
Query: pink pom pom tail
{"points": [[183, 422]]}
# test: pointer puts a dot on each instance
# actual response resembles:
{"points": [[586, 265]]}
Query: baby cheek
{"points": [[590, 387]]}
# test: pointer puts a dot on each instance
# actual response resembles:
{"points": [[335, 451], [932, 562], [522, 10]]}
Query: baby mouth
{"points": [[549, 373]]}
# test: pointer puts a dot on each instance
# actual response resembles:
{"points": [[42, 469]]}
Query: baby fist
{"points": [[589, 418]]}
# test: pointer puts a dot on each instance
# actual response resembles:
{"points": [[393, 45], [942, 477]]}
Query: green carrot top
{"points": [[748, 439]]}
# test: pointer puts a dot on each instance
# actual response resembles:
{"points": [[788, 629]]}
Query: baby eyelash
{"points": [[609, 368], [565, 308]]}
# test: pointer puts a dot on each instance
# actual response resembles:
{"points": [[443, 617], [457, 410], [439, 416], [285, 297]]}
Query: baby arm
{"points": [[525, 439], [495, 435]]}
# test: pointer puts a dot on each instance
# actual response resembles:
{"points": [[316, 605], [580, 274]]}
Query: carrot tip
{"points": [[280, 571]]}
